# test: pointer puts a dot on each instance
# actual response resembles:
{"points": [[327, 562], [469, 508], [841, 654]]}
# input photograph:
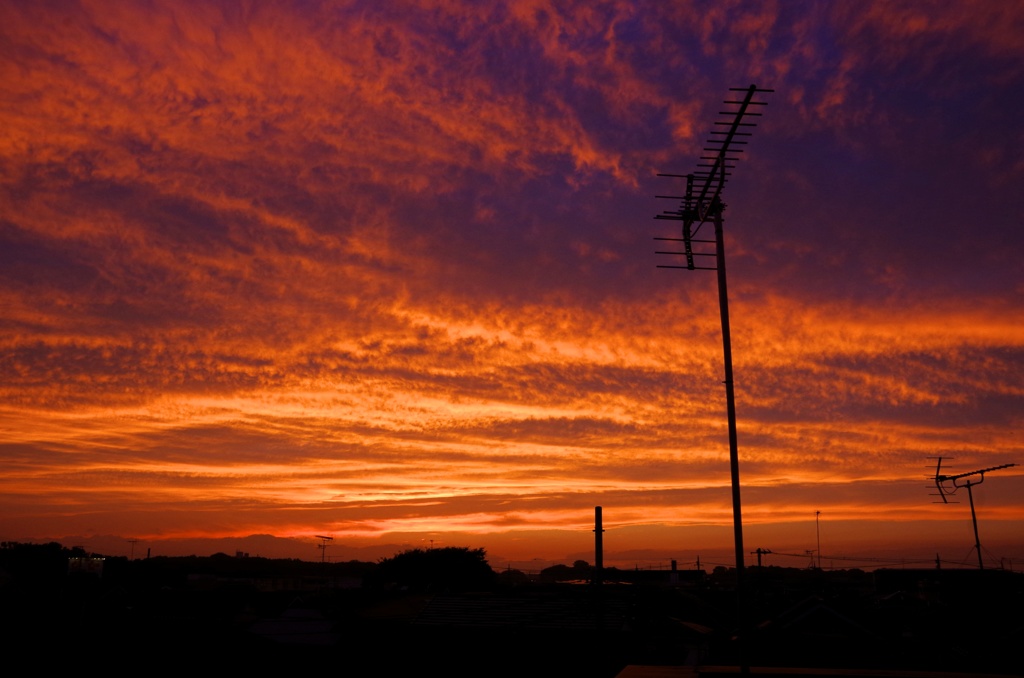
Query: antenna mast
{"points": [[702, 203], [947, 485], [323, 546]]}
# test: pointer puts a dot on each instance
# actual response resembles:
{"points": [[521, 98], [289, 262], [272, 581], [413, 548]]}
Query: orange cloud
{"points": [[388, 270]]}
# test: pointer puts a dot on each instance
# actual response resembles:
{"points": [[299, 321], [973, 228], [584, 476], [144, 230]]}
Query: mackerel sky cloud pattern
{"points": [[386, 271]]}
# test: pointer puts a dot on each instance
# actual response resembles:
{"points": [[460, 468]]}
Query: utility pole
{"points": [[760, 552], [817, 532]]}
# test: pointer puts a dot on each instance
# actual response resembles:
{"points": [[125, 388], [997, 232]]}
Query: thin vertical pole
{"points": [[734, 462], [817, 532], [974, 519], [730, 395], [599, 575]]}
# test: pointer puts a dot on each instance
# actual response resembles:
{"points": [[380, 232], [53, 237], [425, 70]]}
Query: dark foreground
{"points": [[188, 614]]}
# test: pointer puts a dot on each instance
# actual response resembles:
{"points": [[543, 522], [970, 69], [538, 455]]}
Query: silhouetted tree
{"points": [[512, 577], [449, 568], [580, 569]]}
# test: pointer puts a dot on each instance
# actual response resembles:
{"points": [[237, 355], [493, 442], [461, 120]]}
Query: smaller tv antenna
{"points": [[948, 484], [323, 546]]}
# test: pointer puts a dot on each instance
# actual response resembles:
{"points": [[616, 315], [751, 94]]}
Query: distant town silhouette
{"points": [[447, 611]]}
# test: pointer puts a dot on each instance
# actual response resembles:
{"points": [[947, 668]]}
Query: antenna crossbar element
{"points": [[980, 472], [712, 188], [704, 187], [948, 484]]}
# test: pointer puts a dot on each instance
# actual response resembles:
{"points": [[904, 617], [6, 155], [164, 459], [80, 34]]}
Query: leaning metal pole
{"points": [[974, 521], [730, 405], [742, 621], [700, 204]]}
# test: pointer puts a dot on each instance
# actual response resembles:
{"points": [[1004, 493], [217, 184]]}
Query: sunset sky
{"points": [[385, 271]]}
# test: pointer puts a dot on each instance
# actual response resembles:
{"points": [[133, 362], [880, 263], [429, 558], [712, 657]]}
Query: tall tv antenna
{"points": [[323, 546], [948, 484], [700, 204]]}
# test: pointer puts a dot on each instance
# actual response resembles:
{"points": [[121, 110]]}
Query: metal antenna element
{"points": [[948, 484], [323, 546], [702, 202]]}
